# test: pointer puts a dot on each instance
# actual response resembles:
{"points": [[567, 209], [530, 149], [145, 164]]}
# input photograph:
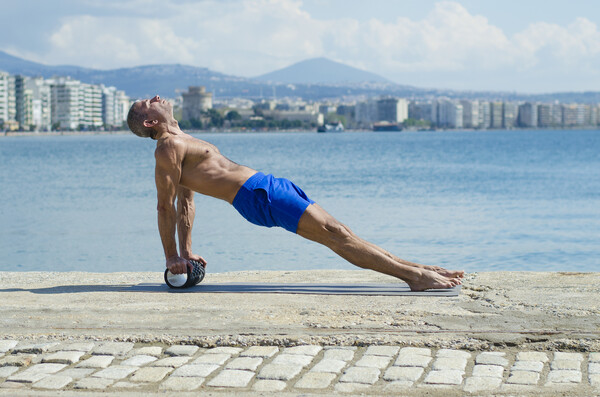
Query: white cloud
{"points": [[251, 37]]}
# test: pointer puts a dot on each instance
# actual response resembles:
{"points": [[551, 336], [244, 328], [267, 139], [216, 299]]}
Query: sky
{"points": [[526, 46]]}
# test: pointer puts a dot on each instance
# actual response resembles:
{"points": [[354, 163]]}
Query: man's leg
{"points": [[318, 225]]}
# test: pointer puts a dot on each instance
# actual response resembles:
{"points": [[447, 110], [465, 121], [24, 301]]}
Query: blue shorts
{"points": [[268, 201]]}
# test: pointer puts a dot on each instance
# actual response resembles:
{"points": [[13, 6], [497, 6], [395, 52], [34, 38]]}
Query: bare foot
{"points": [[433, 280], [446, 272]]}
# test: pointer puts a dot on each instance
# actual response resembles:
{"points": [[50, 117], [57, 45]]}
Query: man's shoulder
{"points": [[170, 149]]}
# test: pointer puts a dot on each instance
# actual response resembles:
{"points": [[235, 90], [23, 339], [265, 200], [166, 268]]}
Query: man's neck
{"points": [[167, 128]]}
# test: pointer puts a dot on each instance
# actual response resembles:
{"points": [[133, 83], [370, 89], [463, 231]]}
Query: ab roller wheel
{"points": [[193, 277]]}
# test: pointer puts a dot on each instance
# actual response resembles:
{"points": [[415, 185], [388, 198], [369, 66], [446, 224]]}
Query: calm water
{"points": [[497, 200]]}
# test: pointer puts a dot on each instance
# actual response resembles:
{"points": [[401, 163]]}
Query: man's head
{"points": [[146, 115]]}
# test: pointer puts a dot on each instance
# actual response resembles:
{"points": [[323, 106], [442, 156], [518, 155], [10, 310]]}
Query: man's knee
{"points": [[337, 233]]}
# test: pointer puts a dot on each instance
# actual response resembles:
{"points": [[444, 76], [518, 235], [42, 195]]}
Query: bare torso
{"points": [[204, 169]]}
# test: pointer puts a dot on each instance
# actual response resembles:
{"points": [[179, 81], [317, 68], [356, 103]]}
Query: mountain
{"points": [[322, 71]]}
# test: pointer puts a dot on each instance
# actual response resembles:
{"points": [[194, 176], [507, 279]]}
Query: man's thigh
{"points": [[315, 223]]}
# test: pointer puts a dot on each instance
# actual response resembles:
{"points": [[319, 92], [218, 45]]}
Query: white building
{"points": [[41, 103], [470, 113], [450, 113], [485, 116], [365, 113], [8, 101], [393, 110]]}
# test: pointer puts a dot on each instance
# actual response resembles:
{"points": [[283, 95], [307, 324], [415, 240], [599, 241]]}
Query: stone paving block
{"points": [[523, 378], [96, 362], [26, 377], [293, 359], [93, 383], [560, 376], [364, 375], [415, 351], [379, 362], [329, 365], [595, 380], [19, 360], [279, 371], [413, 361], [155, 351], [77, 373], [568, 356], [181, 350], [339, 354], [245, 363], [533, 366], [488, 358], [176, 383], [594, 368], [195, 370], [33, 348], [138, 361], [410, 374], [398, 385], [63, 357], [85, 347], [5, 372], [444, 377], [45, 368], [532, 356], [594, 357], [305, 350], [231, 378], [387, 351], [7, 344], [150, 374], [565, 365], [260, 351], [53, 382], [353, 348], [117, 349], [173, 362], [456, 354], [447, 363], [224, 350], [115, 372], [494, 371], [12, 385], [216, 359], [269, 385], [315, 380], [128, 385], [481, 383], [351, 387]]}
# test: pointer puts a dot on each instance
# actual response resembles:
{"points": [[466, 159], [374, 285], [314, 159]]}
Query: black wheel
{"points": [[193, 277]]}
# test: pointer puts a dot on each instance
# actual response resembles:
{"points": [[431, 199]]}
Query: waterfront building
{"points": [[485, 117], [66, 103], [23, 103], [393, 110], [8, 109], [509, 114], [292, 115], [195, 102], [348, 112], [115, 105], [450, 113], [424, 111], [496, 114], [594, 115], [528, 115], [470, 113], [40, 103], [366, 113]]}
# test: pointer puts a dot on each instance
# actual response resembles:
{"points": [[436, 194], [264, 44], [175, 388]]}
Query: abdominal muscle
{"points": [[206, 171]]}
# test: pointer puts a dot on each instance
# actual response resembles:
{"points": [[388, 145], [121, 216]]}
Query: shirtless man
{"points": [[185, 165]]}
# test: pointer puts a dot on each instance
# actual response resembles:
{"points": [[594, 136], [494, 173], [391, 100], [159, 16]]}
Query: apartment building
{"points": [[470, 113], [528, 115]]}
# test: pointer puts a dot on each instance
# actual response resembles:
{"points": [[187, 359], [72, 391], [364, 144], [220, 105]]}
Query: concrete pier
{"points": [[510, 333]]}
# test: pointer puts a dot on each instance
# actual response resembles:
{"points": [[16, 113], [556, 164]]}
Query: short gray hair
{"points": [[135, 121]]}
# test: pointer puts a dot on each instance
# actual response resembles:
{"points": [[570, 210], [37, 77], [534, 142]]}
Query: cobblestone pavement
{"points": [[81, 366]]}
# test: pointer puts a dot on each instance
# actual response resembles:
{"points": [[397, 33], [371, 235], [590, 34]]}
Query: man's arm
{"points": [[169, 157]]}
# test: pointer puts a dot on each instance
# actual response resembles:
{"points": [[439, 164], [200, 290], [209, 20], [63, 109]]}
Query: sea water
{"points": [[473, 200]]}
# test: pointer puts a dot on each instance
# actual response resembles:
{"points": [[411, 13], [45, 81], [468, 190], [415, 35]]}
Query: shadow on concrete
{"points": [[74, 289]]}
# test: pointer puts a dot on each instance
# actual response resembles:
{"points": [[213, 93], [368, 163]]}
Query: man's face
{"points": [[156, 109]]}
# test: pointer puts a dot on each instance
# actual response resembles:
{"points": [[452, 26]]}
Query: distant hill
{"points": [[322, 71], [314, 79]]}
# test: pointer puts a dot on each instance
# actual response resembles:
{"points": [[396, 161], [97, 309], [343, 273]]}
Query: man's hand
{"points": [[178, 265], [197, 258]]}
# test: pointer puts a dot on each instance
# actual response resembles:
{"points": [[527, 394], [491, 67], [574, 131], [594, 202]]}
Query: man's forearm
{"points": [[166, 228], [186, 212]]}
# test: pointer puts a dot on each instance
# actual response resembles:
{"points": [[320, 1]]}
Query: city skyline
{"points": [[463, 45]]}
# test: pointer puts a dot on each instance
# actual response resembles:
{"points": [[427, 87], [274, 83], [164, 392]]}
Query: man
{"points": [[185, 165]]}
